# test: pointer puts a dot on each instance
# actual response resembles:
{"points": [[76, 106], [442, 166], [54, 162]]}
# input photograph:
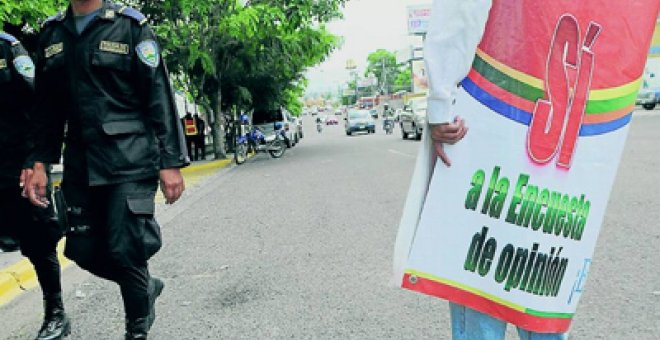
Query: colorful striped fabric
{"points": [[513, 94]]}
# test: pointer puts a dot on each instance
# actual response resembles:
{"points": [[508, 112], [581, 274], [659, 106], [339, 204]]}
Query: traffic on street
{"points": [[301, 247]]}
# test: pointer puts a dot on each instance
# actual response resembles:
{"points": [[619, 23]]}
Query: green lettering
{"points": [[474, 193]]}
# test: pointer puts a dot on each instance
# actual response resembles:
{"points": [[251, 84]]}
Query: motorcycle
{"points": [[255, 140], [319, 127], [388, 126]]}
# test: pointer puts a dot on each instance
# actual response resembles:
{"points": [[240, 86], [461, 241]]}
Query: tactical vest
{"points": [[190, 127]]}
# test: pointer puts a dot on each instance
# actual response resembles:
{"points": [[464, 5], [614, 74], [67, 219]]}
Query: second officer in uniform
{"points": [[35, 228], [100, 74]]}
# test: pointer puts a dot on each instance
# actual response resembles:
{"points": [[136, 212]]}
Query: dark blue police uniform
{"points": [[109, 87]]}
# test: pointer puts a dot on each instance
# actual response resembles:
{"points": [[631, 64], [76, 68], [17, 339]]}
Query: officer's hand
{"points": [[26, 174], [449, 133], [36, 186], [171, 184]]}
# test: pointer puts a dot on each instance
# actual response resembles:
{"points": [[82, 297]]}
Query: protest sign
{"points": [[511, 227]]}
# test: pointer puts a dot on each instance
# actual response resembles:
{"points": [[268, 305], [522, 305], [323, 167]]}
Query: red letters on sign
{"points": [[557, 118]]}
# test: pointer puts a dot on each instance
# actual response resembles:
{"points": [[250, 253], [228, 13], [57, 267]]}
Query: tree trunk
{"points": [[219, 129]]}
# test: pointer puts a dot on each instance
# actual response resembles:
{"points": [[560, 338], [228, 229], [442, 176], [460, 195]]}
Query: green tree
{"points": [[403, 81], [231, 54], [382, 63], [22, 18]]}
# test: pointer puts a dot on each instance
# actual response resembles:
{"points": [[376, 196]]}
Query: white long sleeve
{"points": [[455, 30]]}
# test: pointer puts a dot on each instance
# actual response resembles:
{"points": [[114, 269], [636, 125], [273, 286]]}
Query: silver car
{"points": [[413, 118]]}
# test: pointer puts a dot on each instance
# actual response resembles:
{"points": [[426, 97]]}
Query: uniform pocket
{"points": [[113, 72], [127, 146], [53, 63], [148, 233], [113, 61], [5, 75]]}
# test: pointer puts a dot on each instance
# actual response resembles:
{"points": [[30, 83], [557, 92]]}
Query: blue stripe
{"points": [[602, 128], [525, 118], [654, 49]]}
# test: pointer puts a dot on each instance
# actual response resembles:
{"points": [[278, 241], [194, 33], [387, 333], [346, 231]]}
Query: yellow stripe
{"points": [[513, 73], [604, 94], [467, 289], [616, 92]]}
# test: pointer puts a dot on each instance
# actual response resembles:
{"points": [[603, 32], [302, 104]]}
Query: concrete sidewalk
{"points": [[17, 274]]}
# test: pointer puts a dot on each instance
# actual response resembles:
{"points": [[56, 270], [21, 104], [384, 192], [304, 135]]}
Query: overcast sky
{"points": [[367, 26]]}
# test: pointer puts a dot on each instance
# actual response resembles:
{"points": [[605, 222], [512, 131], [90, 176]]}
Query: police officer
{"points": [[100, 74], [35, 229]]}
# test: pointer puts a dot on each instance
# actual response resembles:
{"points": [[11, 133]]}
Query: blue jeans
{"points": [[468, 324]]}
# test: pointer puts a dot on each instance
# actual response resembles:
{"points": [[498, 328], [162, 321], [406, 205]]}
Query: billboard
{"points": [[420, 79], [418, 19]]}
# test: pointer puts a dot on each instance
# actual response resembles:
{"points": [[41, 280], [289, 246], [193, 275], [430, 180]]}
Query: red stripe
{"points": [[481, 304], [503, 95]]}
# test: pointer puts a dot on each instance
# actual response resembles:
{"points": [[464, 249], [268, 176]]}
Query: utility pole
{"points": [[384, 76], [351, 66]]}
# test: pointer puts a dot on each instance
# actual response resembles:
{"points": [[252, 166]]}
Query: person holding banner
{"points": [[533, 79]]}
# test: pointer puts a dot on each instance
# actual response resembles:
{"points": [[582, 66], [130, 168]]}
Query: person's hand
{"points": [[171, 184], [35, 184], [26, 174], [447, 133]]}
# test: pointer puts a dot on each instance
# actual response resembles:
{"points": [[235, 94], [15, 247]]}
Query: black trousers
{"points": [[200, 148], [37, 233], [189, 146], [113, 233]]}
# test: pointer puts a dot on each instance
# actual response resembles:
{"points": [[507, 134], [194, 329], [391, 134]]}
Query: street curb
{"points": [[213, 165], [20, 277]]}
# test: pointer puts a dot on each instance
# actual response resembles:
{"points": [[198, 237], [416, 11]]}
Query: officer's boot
{"points": [[155, 289], [56, 324], [137, 329]]}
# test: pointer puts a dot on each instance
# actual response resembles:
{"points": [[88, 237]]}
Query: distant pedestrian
{"points": [[200, 139], [190, 132]]}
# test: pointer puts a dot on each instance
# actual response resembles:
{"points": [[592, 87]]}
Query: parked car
{"points": [[647, 98], [359, 120], [413, 118], [331, 120], [264, 119]]}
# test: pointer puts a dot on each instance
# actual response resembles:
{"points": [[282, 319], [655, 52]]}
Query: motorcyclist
{"points": [[319, 124], [387, 117]]}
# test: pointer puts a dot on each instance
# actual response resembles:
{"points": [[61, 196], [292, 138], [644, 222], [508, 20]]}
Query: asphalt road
{"points": [[300, 248]]}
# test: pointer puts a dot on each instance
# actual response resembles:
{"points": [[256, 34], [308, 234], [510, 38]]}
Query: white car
{"points": [[265, 121]]}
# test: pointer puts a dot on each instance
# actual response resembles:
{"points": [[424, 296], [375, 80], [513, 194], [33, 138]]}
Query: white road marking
{"points": [[400, 153]]}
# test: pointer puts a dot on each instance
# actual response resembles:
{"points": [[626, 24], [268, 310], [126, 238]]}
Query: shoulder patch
{"points": [[57, 17], [148, 53], [133, 14], [24, 66], [9, 38]]}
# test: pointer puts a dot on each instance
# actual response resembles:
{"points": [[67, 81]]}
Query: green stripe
{"points": [[533, 94], [605, 106], [549, 314], [507, 83]]}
